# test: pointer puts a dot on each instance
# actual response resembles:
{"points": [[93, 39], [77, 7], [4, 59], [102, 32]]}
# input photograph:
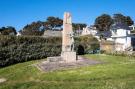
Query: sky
{"points": [[18, 13]]}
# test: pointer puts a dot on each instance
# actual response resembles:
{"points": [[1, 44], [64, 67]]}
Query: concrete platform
{"points": [[61, 65]]}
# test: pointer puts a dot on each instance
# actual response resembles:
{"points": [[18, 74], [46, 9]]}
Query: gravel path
{"points": [[53, 66]]}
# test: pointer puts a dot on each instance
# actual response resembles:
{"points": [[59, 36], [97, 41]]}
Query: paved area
{"points": [[53, 66]]}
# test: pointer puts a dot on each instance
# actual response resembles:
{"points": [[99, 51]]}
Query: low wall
{"points": [[109, 46]]}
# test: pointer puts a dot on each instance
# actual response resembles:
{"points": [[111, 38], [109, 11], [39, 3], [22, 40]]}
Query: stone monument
{"points": [[68, 58], [68, 54]]}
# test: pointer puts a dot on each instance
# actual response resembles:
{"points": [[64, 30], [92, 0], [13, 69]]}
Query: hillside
{"points": [[116, 73]]}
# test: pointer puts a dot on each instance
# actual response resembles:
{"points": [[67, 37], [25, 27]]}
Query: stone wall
{"points": [[110, 46], [50, 33], [107, 46]]}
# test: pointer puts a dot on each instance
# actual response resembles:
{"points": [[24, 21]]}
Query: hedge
{"points": [[20, 49]]}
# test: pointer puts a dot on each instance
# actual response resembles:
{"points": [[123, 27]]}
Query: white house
{"points": [[132, 27], [89, 31], [18, 34], [119, 34], [121, 37]]}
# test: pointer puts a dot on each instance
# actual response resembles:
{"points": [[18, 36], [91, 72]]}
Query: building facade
{"points": [[121, 37]]}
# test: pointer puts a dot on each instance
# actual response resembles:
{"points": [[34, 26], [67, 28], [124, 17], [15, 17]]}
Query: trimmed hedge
{"points": [[20, 49]]}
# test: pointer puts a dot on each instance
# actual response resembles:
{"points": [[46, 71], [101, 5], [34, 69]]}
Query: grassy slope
{"points": [[117, 73]]}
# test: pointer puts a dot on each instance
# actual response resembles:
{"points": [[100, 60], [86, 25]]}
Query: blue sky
{"points": [[18, 13]]}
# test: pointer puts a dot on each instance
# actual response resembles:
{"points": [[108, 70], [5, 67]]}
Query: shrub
{"points": [[89, 43], [20, 49]]}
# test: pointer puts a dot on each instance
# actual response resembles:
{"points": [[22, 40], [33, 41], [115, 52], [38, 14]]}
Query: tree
{"points": [[119, 18], [38, 28], [79, 26], [129, 21], [9, 30], [53, 22], [103, 22], [46, 25], [33, 29]]}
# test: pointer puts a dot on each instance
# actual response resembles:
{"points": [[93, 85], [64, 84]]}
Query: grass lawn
{"points": [[116, 73]]}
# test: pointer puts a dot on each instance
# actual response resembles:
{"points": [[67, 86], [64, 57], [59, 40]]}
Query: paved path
{"points": [[53, 66]]}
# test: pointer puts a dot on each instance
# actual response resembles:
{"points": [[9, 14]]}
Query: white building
{"points": [[89, 31], [119, 33], [18, 34], [121, 37], [132, 27]]}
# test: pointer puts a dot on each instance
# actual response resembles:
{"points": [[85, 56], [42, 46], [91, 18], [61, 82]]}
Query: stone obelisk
{"points": [[68, 54]]}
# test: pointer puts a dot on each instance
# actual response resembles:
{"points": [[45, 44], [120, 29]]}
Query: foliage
{"points": [[33, 29], [89, 43], [79, 26], [123, 19], [116, 73], [103, 22], [51, 23], [8, 30], [54, 22], [19, 49], [38, 28]]}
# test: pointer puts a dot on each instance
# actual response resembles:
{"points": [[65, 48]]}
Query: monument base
{"points": [[69, 56], [65, 57], [54, 59]]}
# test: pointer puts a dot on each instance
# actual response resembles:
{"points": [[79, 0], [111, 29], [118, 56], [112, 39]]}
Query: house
{"points": [[89, 31], [18, 34], [97, 34], [121, 37], [132, 27], [78, 32], [103, 35], [118, 38]]}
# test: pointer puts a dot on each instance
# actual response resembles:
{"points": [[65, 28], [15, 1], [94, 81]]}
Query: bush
{"points": [[88, 43], [20, 49]]}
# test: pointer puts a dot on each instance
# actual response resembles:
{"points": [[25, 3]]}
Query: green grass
{"points": [[116, 73]]}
